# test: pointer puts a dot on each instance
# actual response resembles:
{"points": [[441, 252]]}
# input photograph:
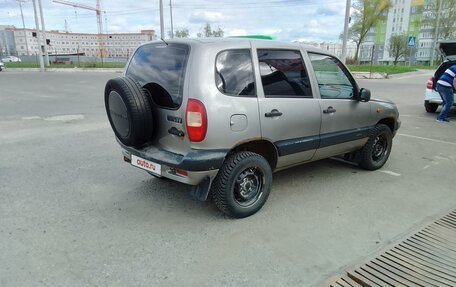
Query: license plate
{"points": [[146, 164]]}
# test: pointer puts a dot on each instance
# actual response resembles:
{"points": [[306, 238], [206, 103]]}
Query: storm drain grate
{"points": [[427, 258]]}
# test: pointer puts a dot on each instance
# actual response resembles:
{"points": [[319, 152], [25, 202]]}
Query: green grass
{"points": [[387, 69], [81, 65]]}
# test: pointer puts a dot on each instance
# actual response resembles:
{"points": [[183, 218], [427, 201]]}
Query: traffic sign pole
{"points": [[411, 44]]}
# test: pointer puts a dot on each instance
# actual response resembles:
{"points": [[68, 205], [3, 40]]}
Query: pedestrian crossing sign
{"points": [[411, 41]]}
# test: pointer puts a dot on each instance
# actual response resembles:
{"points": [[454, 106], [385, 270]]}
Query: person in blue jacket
{"points": [[445, 87]]}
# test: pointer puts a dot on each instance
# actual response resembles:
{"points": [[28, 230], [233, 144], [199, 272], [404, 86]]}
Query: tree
{"points": [[398, 47], [447, 18], [180, 33], [207, 32], [367, 14]]}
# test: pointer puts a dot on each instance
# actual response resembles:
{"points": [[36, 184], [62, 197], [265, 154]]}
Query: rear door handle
{"points": [[329, 110], [273, 113]]}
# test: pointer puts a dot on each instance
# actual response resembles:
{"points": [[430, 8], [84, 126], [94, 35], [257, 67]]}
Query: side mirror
{"points": [[364, 95]]}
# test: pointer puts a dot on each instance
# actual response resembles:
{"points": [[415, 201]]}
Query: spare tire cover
{"points": [[129, 111]]}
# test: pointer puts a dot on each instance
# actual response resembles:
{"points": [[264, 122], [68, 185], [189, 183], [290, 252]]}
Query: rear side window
{"points": [[234, 73], [160, 69], [283, 74]]}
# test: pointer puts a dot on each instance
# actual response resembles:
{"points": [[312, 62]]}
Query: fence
{"points": [[76, 61]]}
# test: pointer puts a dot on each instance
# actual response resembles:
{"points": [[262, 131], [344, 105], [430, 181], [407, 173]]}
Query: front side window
{"points": [[283, 74], [332, 77], [234, 73], [160, 69]]}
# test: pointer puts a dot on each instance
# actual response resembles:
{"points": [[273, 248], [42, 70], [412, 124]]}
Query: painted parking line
{"points": [[390, 172], [415, 117], [427, 139]]}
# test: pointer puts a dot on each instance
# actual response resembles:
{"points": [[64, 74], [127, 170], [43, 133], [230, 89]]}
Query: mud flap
{"points": [[201, 191]]}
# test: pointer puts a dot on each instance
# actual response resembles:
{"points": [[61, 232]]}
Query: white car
{"points": [[432, 99], [11, 59], [2, 66]]}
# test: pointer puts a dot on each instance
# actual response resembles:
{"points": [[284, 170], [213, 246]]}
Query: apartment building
{"points": [[7, 46], [408, 17], [116, 45], [332, 47], [405, 17]]}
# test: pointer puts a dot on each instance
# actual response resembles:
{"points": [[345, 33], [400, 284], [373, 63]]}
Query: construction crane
{"points": [[97, 9]]}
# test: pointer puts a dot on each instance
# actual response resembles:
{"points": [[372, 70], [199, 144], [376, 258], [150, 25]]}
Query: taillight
{"points": [[196, 120], [430, 83], [181, 172]]}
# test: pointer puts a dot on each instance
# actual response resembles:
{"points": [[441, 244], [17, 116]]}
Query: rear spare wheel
{"points": [[129, 111]]}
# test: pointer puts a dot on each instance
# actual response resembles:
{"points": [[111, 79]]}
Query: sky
{"points": [[288, 20]]}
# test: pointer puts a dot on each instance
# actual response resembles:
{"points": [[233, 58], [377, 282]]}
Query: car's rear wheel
{"points": [[376, 151], [430, 107], [242, 185], [129, 111]]}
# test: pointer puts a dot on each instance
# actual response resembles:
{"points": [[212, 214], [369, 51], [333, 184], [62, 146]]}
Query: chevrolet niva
{"points": [[223, 114]]}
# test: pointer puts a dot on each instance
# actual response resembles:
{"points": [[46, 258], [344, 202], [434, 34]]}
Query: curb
{"points": [[418, 72], [367, 75], [68, 70]]}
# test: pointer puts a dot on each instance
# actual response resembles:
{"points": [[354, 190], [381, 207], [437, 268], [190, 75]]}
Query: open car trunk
{"points": [[448, 50]]}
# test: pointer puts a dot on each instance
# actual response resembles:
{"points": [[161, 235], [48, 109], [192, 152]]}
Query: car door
{"points": [[289, 114], [345, 119]]}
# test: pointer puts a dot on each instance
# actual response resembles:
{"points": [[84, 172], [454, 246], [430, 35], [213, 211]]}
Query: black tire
{"points": [[129, 111], [242, 185], [430, 107], [377, 149]]}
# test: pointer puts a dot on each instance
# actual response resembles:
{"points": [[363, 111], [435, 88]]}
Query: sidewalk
{"points": [[367, 75]]}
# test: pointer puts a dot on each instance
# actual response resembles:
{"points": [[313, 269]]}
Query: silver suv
{"points": [[223, 114]]}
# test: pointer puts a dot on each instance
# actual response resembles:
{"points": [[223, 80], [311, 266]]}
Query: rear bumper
{"points": [[433, 97], [198, 164]]}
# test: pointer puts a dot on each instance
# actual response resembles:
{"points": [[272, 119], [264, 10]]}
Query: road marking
{"points": [[390, 172], [416, 117], [60, 118], [427, 139]]}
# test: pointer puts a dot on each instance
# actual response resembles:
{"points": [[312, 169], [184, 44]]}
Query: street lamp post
{"points": [[37, 27], [46, 55], [345, 39], [23, 26], [171, 15], [436, 34], [162, 28]]}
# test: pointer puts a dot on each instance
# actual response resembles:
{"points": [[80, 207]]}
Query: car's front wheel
{"points": [[242, 185], [430, 107], [377, 149]]}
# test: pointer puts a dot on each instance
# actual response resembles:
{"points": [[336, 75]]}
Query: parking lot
{"points": [[73, 213]]}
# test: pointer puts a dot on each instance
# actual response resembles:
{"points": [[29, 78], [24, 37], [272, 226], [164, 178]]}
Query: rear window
{"points": [[234, 73], [160, 69]]}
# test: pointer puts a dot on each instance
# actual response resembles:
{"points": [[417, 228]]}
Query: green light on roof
{"points": [[261, 37]]}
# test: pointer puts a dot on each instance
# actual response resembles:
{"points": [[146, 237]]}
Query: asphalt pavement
{"points": [[72, 213]]}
